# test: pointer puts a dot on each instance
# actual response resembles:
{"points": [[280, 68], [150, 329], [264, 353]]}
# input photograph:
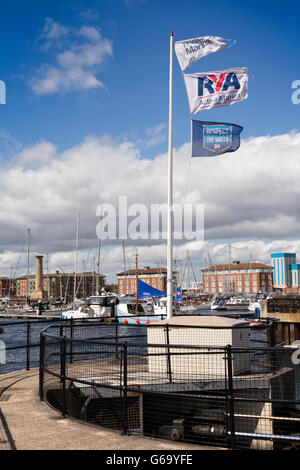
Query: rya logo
{"points": [[211, 84]]}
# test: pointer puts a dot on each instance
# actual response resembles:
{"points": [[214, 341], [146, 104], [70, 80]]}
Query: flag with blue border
{"points": [[210, 139]]}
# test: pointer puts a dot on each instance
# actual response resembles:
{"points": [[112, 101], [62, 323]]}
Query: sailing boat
{"points": [[189, 307], [81, 311]]}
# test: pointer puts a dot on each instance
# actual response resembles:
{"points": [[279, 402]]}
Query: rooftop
{"points": [[237, 266], [202, 320], [144, 271]]}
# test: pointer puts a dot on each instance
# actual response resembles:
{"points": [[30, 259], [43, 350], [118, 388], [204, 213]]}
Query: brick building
{"points": [[238, 278], [60, 285], [155, 277], [5, 284]]}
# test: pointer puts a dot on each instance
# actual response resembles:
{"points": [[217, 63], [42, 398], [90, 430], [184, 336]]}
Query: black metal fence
{"points": [[22, 342], [240, 394]]}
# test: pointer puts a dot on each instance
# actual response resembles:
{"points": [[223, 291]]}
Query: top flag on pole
{"points": [[191, 50]]}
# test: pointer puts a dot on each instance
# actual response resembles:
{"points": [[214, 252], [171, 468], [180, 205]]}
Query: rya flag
{"points": [[210, 139], [191, 50], [214, 89]]}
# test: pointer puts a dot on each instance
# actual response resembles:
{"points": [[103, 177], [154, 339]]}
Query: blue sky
{"points": [[135, 97], [86, 119]]}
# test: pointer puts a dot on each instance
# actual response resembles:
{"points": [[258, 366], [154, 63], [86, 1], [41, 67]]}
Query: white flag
{"points": [[215, 89], [191, 50]]}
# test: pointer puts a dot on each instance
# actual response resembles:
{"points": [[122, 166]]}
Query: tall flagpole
{"points": [[170, 191]]}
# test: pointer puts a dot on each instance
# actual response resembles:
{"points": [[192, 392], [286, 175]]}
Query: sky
{"points": [[86, 120]]}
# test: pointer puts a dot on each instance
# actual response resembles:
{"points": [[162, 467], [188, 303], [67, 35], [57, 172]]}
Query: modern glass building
{"points": [[295, 272], [281, 263]]}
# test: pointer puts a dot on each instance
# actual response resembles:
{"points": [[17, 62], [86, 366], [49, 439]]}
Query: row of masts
{"points": [[187, 269], [47, 265]]}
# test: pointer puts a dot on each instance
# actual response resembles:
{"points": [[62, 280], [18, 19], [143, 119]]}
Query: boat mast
{"points": [[229, 269], [98, 268], [124, 267], [188, 276], [76, 255], [47, 270], [98, 257], [83, 278], [136, 284], [250, 274], [10, 281], [192, 268], [28, 255]]}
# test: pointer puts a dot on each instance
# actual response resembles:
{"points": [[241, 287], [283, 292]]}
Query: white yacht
{"points": [[80, 312], [100, 306], [97, 306], [238, 301], [218, 305]]}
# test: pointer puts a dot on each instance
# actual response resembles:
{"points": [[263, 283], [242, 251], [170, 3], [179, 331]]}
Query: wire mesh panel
{"points": [[177, 401], [266, 403]]}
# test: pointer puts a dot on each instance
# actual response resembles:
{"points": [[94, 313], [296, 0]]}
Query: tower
{"points": [[38, 293]]}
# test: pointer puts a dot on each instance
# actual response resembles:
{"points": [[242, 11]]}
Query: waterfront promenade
{"points": [[26, 423]]}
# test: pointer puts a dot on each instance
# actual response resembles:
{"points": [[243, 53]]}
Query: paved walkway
{"points": [[26, 423]]}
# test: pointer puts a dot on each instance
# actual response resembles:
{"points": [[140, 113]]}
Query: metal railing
{"points": [[22, 336], [22, 339], [231, 396]]}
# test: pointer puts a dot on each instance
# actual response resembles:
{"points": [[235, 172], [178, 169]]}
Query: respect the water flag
{"points": [[215, 89], [191, 50], [210, 139]]}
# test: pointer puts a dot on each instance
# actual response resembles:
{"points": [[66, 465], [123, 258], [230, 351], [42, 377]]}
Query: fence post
{"points": [[230, 396], [71, 342], [168, 354], [272, 334], [125, 411], [116, 338], [63, 373], [42, 356], [272, 341], [28, 346], [61, 331]]}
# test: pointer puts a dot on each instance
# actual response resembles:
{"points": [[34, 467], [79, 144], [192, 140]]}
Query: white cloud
{"points": [[155, 135], [89, 14], [8, 144], [252, 194], [52, 33], [78, 55]]}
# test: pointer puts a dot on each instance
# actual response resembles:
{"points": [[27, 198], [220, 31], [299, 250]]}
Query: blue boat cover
{"points": [[145, 291]]}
